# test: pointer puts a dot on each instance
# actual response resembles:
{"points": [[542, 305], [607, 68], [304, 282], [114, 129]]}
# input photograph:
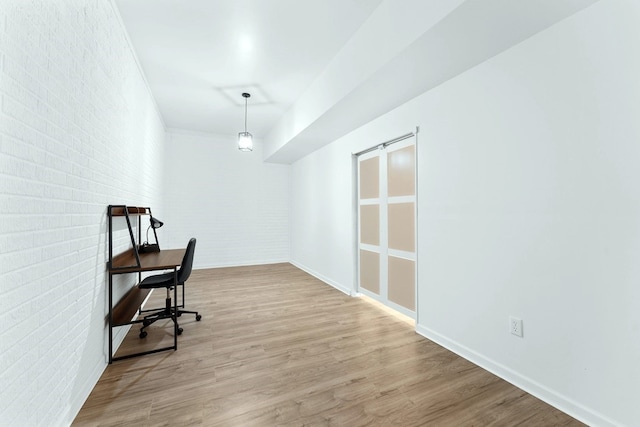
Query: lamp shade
{"points": [[155, 222], [245, 141]]}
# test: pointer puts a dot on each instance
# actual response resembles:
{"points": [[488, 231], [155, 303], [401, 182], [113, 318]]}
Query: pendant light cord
{"points": [[246, 96]]}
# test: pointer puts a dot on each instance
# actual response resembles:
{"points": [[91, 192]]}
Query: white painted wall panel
{"points": [[233, 203], [323, 216]]}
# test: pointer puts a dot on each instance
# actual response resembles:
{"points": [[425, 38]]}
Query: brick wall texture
{"points": [[233, 202], [79, 130]]}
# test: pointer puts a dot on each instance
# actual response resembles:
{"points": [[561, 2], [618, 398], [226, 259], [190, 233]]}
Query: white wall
{"points": [[322, 228], [528, 205], [78, 131], [235, 205]]}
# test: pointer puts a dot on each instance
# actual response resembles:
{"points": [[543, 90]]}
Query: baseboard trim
{"points": [[325, 279], [74, 407], [239, 264], [553, 398]]}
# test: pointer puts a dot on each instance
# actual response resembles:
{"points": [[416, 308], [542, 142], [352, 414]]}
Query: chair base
{"points": [[168, 312]]}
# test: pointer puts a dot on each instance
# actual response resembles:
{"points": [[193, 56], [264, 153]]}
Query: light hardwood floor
{"points": [[277, 347]]}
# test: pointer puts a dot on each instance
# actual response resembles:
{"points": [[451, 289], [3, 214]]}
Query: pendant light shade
{"points": [[245, 139]]}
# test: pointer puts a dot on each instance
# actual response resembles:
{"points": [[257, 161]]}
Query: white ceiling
{"points": [[316, 69], [200, 55]]}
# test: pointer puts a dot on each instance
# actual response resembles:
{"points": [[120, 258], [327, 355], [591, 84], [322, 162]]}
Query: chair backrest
{"points": [[187, 261]]}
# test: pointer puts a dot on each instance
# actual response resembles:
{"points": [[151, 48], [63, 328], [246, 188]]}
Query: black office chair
{"points": [[165, 280]]}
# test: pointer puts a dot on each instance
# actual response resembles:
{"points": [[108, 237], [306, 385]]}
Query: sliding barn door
{"points": [[387, 230]]}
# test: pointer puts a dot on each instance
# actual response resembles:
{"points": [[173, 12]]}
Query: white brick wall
{"points": [[236, 205], [78, 130]]}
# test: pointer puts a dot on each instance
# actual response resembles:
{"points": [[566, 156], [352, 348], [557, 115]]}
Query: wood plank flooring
{"points": [[277, 347]]}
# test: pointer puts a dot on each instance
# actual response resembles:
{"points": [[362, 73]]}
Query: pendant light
{"points": [[245, 139]]}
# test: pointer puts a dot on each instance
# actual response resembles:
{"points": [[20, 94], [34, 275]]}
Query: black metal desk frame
{"points": [[131, 261]]}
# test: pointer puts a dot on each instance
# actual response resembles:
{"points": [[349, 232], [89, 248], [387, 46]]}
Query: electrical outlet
{"points": [[515, 326]]}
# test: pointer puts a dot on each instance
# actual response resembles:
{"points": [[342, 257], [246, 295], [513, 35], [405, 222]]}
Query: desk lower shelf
{"points": [[128, 306]]}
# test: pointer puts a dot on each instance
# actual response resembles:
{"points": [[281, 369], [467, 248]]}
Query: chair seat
{"points": [[157, 281]]}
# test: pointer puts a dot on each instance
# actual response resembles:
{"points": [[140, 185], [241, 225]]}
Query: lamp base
{"points": [[146, 248]]}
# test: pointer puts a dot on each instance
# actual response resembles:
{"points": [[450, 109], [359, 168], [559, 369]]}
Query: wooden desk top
{"points": [[167, 259]]}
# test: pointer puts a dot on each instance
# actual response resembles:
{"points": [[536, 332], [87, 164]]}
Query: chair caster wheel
{"points": [[180, 331], [143, 334], [179, 314], [198, 317]]}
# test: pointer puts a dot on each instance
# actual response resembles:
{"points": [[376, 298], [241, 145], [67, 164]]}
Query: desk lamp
{"points": [[154, 223]]}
